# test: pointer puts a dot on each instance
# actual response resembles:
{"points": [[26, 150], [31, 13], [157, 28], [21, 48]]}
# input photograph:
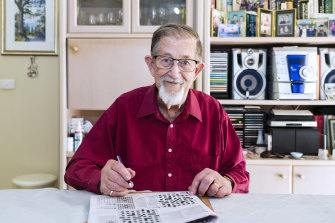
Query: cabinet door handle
{"points": [[301, 176], [283, 176], [75, 49]]}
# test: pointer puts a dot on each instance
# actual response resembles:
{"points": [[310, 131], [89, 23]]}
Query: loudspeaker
{"points": [[327, 56], [249, 68]]}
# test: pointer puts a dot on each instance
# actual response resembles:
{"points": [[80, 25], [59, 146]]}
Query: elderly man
{"points": [[170, 137]]}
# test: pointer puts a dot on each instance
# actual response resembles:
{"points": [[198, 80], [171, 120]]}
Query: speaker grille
{"points": [[250, 80]]}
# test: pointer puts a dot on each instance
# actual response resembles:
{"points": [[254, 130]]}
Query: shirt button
{"points": [[170, 150], [171, 126], [170, 175]]}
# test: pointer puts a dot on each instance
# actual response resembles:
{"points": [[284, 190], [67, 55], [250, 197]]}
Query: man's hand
{"points": [[114, 177], [210, 182]]}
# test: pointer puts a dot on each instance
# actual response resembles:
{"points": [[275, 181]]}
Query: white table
{"points": [[53, 205]]}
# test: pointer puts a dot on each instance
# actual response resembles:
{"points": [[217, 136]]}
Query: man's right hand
{"points": [[114, 177]]}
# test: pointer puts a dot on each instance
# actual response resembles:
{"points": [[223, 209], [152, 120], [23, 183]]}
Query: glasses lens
{"points": [[164, 62], [186, 65]]}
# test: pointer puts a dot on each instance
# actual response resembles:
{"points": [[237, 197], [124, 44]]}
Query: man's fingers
{"points": [[118, 193], [213, 190], [197, 181], [121, 169], [205, 184], [113, 178]]}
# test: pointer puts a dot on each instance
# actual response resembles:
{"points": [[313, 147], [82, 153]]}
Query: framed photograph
{"points": [[217, 18], [265, 23], [29, 27], [322, 27], [229, 30], [332, 133], [239, 18], [305, 28], [285, 22]]}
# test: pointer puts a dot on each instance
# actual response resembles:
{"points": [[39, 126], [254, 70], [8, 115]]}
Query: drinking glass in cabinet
{"points": [[99, 12], [159, 12]]}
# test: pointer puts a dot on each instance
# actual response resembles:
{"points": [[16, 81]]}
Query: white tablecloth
{"points": [[52, 205]]}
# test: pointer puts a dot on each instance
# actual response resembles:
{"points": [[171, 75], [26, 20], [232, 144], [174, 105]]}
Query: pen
{"points": [[120, 160]]}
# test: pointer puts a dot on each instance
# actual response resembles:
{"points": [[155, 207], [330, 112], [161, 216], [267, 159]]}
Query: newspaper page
{"points": [[149, 207]]}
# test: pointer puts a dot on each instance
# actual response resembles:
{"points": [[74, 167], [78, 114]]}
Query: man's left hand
{"points": [[210, 182]]}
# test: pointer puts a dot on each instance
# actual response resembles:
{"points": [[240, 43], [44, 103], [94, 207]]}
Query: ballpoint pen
{"points": [[120, 160]]}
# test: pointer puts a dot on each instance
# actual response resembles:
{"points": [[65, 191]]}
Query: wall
{"points": [[29, 118]]}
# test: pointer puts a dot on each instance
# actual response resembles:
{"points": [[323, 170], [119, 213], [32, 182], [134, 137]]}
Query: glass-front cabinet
{"points": [[99, 16], [126, 16], [148, 15]]}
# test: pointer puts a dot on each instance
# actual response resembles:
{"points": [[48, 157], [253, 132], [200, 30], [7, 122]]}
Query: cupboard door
{"points": [[314, 180], [100, 70], [99, 16], [266, 179], [148, 15]]}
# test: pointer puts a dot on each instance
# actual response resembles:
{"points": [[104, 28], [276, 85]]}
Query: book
{"points": [[251, 24], [328, 6]]}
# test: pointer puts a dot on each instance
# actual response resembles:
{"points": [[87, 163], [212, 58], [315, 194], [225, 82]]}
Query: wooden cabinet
{"points": [[310, 176], [314, 180], [100, 70], [270, 179]]}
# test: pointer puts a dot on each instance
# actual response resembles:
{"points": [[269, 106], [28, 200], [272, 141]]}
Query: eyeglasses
{"points": [[165, 62]]}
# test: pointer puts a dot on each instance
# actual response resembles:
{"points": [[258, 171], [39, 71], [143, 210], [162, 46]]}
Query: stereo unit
{"points": [[294, 73], [249, 70], [327, 56]]}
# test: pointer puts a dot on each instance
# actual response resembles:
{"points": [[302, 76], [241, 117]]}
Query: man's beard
{"points": [[171, 98]]}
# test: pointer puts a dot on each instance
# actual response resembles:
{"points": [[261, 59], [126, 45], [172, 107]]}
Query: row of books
{"points": [[305, 8], [269, 23]]}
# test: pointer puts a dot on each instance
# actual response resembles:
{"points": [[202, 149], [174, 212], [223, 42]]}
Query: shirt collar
{"points": [[149, 104]]}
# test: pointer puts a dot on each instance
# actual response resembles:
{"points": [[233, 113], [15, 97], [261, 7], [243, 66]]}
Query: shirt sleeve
{"points": [[232, 161], [83, 172]]}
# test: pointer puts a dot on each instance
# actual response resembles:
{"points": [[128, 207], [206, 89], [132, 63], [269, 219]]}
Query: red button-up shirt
{"points": [[166, 156]]}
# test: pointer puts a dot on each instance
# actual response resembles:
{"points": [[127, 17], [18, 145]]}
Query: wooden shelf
{"points": [[278, 102], [108, 36], [272, 41]]}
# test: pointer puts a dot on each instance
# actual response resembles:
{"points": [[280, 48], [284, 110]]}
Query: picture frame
{"points": [[218, 17], [305, 28], [322, 27], [34, 32], [229, 30], [265, 23], [285, 23], [239, 18], [332, 133]]}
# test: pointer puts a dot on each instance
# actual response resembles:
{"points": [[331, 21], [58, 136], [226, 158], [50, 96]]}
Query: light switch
{"points": [[7, 84]]}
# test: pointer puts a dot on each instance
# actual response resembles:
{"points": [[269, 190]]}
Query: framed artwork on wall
{"points": [[285, 22], [265, 23], [29, 27]]}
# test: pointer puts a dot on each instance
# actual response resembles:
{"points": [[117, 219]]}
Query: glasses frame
{"points": [[173, 59]]}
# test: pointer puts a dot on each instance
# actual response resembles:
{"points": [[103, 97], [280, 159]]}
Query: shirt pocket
{"points": [[195, 160]]}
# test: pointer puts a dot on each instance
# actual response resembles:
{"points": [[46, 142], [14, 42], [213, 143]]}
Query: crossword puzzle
{"points": [[125, 203], [139, 216], [174, 200]]}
